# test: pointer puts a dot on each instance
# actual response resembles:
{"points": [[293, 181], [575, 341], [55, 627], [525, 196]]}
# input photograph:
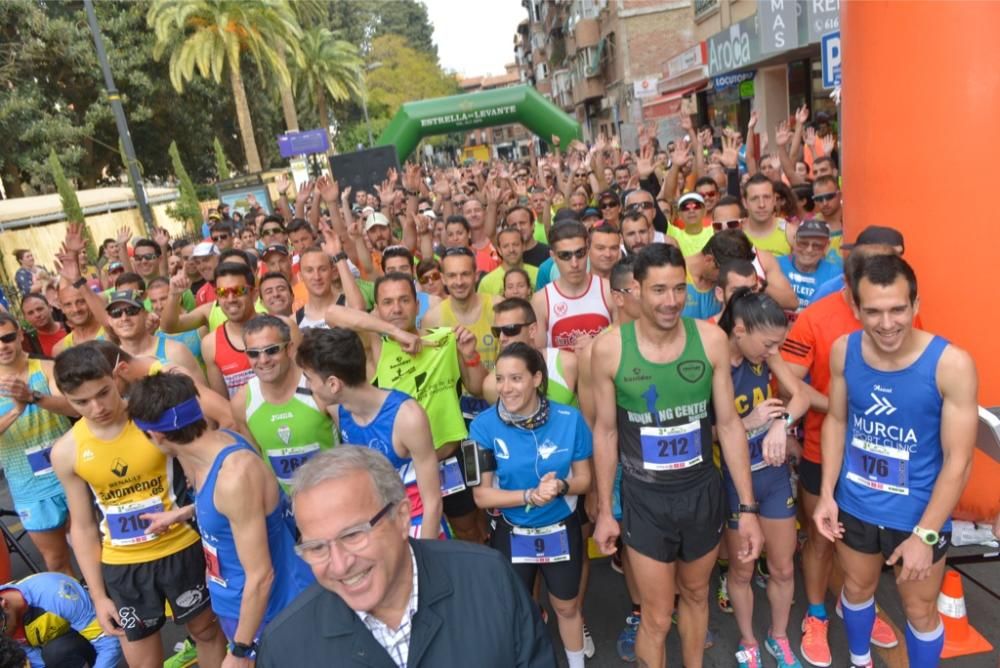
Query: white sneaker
{"points": [[588, 643]]}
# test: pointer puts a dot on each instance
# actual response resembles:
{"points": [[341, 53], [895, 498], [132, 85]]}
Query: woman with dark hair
{"points": [[757, 327], [542, 451], [517, 283], [786, 203]]}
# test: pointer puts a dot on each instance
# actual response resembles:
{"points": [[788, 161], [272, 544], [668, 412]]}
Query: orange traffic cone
{"points": [[959, 636]]}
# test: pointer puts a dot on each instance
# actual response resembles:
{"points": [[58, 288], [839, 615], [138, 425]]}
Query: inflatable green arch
{"points": [[517, 104]]}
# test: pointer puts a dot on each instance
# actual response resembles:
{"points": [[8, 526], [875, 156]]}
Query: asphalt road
{"points": [[607, 604]]}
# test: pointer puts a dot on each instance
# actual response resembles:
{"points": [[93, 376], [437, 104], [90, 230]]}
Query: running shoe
{"points": [[184, 657], [626, 639], [761, 574], [815, 647], [782, 652], [882, 633], [722, 594], [748, 657], [588, 643]]}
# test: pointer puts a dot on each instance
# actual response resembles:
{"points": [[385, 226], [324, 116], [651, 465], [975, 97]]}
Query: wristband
{"points": [[413, 193], [527, 497], [339, 256], [749, 508], [474, 362], [563, 487], [79, 283]]}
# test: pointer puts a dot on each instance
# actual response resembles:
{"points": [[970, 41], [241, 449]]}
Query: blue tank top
{"points": [[223, 572], [161, 348], [752, 386], [377, 435], [892, 452], [191, 341]]}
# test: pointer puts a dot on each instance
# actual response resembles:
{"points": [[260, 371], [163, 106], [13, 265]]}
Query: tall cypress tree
{"points": [[70, 203], [186, 208]]}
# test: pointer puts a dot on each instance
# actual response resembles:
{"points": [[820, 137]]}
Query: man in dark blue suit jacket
{"points": [[384, 600]]}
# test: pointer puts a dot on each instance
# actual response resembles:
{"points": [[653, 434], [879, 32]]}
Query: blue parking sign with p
{"points": [[830, 51]]}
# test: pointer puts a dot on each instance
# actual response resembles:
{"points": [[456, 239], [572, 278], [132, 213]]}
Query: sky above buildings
{"points": [[475, 37]]}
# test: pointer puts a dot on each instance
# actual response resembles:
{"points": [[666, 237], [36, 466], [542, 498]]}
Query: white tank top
{"points": [[573, 317]]}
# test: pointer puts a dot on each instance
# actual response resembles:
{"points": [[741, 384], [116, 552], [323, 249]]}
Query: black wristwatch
{"points": [[751, 508], [563, 487], [243, 651], [36, 396], [339, 256], [413, 193], [79, 283]]}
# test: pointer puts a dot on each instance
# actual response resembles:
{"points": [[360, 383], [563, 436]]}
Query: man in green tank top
{"points": [[276, 409], [428, 369], [659, 384]]}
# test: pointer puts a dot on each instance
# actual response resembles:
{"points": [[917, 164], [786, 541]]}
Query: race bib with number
{"points": [[40, 459], [285, 461], [547, 545], [878, 467], [671, 448], [452, 479], [125, 527], [213, 570]]}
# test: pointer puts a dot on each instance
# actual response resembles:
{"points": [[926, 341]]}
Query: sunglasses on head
{"points": [[237, 291], [219, 237], [270, 351], [566, 255], [719, 225], [430, 276], [130, 310], [146, 257], [825, 197], [509, 330], [9, 338], [458, 250]]}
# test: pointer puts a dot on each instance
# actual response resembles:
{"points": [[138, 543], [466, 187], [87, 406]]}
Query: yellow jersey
{"points": [[130, 477], [486, 343]]}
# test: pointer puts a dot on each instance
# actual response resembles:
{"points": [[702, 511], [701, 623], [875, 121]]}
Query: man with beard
{"points": [[48, 331]]}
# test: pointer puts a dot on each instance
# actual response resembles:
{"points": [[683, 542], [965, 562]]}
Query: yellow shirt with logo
{"points": [[130, 477]]}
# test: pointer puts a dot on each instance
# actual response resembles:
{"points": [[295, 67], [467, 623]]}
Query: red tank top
{"points": [[233, 363], [573, 317]]}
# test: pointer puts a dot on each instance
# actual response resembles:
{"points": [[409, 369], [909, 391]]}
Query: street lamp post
{"points": [[116, 107], [364, 102]]}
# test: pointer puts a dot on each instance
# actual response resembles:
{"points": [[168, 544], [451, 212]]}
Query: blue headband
{"points": [[181, 415]]}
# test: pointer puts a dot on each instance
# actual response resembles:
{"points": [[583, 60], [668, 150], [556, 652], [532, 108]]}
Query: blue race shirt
{"points": [[892, 450], [223, 571], [701, 305], [835, 284], [806, 284], [524, 456]]}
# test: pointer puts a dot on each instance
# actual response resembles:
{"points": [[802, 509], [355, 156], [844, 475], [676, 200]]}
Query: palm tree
{"points": [[211, 35], [325, 65], [308, 12]]}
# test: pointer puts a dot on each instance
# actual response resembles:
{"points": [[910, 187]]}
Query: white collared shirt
{"points": [[396, 642]]}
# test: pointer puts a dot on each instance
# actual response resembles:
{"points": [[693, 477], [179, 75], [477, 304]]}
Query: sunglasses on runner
{"points": [[238, 291], [271, 230], [146, 257], [9, 338], [566, 256], [691, 206], [719, 225], [825, 197], [130, 310], [609, 204], [636, 206], [430, 276], [509, 330], [709, 193], [220, 237], [270, 351]]}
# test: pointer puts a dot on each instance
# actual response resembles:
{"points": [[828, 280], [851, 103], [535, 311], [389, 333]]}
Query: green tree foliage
{"points": [[361, 21], [186, 207], [221, 164], [210, 35], [325, 65], [70, 202]]}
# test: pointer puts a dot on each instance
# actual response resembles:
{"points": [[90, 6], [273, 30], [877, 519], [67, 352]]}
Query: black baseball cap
{"points": [[877, 235], [275, 248], [124, 297], [813, 229]]}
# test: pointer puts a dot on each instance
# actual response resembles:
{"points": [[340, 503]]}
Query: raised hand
{"points": [[161, 237], [555, 140], [802, 115], [124, 236], [411, 177], [782, 134], [809, 137], [686, 124], [331, 241], [681, 154], [179, 284], [282, 183], [644, 162], [345, 196], [730, 153], [829, 143], [328, 189], [74, 241], [753, 123]]}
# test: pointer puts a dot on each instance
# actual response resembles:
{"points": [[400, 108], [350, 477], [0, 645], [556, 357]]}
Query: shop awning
{"points": [[668, 104]]}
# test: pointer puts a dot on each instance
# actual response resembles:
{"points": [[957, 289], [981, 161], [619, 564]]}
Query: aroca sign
{"points": [[734, 48]]}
